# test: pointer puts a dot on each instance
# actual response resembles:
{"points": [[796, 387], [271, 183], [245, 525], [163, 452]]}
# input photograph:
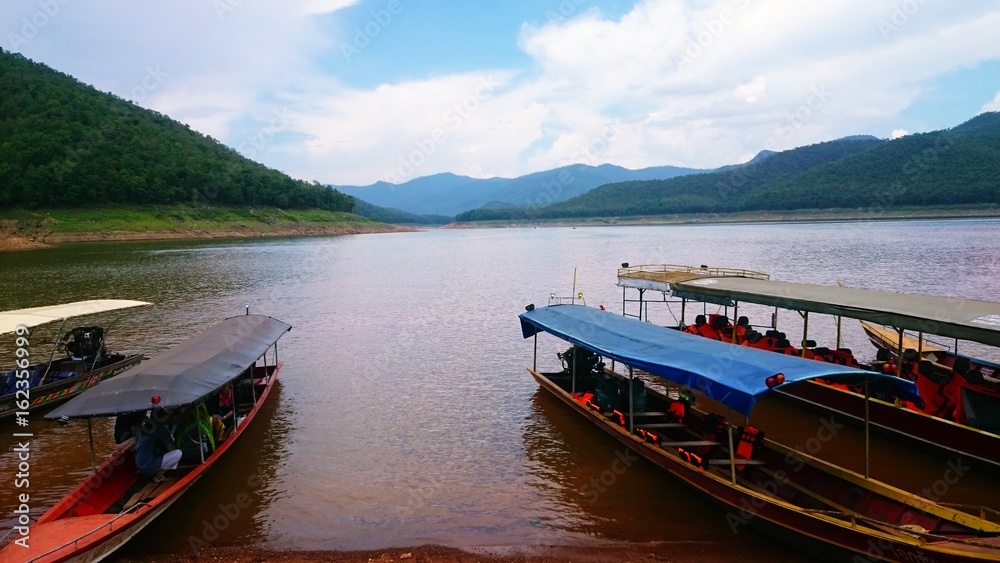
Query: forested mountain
{"points": [[448, 194], [955, 166], [65, 144], [397, 216]]}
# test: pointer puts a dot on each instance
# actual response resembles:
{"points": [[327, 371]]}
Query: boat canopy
{"points": [[733, 375], [10, 320], [184, 374], [965, 319]]}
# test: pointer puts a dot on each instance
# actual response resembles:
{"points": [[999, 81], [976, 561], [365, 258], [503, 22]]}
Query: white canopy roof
{"points": [[10, 320]]}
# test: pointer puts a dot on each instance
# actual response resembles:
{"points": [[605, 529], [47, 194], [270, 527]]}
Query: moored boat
{"points": [[828, 511], [119, 499], [83, 360], [972, 433]]}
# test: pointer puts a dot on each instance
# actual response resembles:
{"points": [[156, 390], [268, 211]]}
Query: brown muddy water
{"points": [[404, 414]]}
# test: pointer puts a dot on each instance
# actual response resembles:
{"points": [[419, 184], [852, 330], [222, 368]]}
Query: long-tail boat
{"points": [[972, 433], [117, 501], [83, 361], [822, 509]]}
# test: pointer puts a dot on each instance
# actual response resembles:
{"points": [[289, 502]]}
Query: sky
{"points": [[353, 92]]}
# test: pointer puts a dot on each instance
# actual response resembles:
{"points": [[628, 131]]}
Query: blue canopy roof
{"points": [[733, 375]]}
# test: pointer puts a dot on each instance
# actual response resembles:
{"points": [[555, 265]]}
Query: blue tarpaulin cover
{"points": [[184, 374], [733, 375]]}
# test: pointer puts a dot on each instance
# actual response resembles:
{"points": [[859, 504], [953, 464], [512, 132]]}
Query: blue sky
{"points": [[354, 92]]}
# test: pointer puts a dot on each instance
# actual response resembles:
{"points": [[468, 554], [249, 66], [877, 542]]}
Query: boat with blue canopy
{"points": [[825, 510]]}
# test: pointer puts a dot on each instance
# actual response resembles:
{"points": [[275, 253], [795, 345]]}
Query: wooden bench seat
{"points": [[662, 425], [738, 462], [689, 444]]}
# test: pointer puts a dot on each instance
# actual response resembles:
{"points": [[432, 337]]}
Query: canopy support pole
{"points": [[867, 434], [736, 318], [683, 303], [805, 332], [201, 433], [631, 415], [534, 360], [956, 346], [732, 452], [774, 319], [52, 354], [899, 356], [840, 340], [920, 344], [572, 388], [90, 438]]}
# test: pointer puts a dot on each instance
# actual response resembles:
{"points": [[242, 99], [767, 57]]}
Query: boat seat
{"points": [[725, 461], [689, 444], [662, 425], [636, 414]]}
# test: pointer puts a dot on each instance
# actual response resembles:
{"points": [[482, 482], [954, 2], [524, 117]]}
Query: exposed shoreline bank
{"points": [[14, 238]]}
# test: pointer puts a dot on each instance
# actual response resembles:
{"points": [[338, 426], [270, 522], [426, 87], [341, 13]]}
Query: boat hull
{"points": [[51, 394], [820, 536], [56, 538], [980, 447]]}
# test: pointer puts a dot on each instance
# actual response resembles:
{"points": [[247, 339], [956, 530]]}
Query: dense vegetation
{"points": [[955, 166], [397, 216], [64, 144]]}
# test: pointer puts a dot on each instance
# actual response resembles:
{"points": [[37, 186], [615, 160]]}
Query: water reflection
{"points": [[405, 415], [620, 496]]}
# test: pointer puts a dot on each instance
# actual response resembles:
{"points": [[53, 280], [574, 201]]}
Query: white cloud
{"points": [[898, 133], [687, 83], [993, 105]]}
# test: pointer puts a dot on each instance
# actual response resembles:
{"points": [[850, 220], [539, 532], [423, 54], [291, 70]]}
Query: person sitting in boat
{"points": [[155, 450], [224, 407], [128, 425], [195, 435], [679, 408]]}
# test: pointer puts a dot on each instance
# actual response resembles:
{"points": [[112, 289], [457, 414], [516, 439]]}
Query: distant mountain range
{"points": [[960, 165], [450, 194]]}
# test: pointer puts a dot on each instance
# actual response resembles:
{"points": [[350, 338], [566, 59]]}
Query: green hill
{"points": [[956, 166], [64, 144]]}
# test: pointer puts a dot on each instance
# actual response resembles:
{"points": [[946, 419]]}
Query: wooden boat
{"points": [[825, 510], [83, 363], [115, 502], [977, 441]]}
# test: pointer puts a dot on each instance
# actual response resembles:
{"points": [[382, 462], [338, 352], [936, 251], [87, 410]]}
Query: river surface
{"points": [[404, 413]]}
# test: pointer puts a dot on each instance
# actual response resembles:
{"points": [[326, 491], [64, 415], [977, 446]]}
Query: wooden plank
{"points": [[738, 462], [689, 444], [662, 425]]}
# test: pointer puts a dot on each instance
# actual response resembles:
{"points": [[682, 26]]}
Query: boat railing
{"points": [[983, 510], [647, 269], [75, 541]]}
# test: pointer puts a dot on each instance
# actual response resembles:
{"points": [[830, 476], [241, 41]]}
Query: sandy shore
{"points": [[43, 241]]}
